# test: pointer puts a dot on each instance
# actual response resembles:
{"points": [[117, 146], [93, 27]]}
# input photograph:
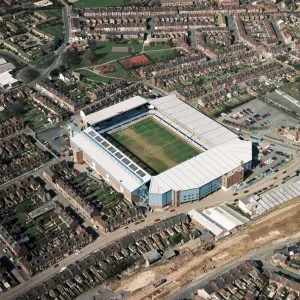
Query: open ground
{"points": [[154, 145], [187, 268]]}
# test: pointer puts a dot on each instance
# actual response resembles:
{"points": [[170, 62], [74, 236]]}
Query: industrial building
{"points": [[218, 220], [222, 163], [260, 204]]}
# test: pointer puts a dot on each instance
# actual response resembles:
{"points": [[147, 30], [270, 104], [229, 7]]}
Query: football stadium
{"points": [[162, 152]]}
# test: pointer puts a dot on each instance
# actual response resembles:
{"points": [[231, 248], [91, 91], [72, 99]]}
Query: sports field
{"points": [[154, 145]]}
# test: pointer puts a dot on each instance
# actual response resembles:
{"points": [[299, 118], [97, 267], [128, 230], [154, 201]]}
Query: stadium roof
{"points": [[114, 110], [203, 168], [117, 164], [201, 125]]}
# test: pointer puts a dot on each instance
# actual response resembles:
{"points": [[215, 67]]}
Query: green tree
{"points": [[72, 59], [92, 55], [55, 72]]}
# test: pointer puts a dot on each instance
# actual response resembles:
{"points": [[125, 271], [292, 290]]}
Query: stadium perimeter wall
{"points": [[183, 196], [105, 174]]}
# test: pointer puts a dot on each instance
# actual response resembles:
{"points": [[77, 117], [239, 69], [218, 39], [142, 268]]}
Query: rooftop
{"points": [[114, 110], [205, 128], [203, 168], [100, 150]]}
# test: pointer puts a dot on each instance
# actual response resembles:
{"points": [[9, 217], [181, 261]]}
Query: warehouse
{"points": [[225, 217], [256, 205], [198, 217], [218, 220]]}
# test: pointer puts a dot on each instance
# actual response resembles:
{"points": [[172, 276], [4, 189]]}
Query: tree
{"points": [[55, 72], [92, 52], [72, 59], [62, 68]]}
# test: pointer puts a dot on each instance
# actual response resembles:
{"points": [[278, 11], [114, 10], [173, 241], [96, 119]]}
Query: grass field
{"points": [[154, 145], [97, 3], [104, 53], [163, 55], [56, 30]]}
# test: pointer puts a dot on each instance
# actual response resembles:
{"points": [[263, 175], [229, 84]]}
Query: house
{"points": [[151, 257]]}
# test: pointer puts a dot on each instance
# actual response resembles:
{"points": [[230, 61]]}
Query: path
{"points": [[241, 246], [116, 60]]}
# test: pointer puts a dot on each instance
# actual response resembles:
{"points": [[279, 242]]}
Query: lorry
{"points": [[159, 282]]}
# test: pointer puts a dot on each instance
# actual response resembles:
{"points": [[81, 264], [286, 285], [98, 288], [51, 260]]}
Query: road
{"points": [[214, 199], [59, 51], [259, 254]]}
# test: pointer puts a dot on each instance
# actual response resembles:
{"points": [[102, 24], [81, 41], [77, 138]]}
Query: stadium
{"points": [[162, 152]]}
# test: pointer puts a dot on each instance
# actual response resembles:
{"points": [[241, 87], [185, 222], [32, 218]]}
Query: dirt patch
{"points": [[140, 281], [119, 49], [187, 268], [269, 237]]}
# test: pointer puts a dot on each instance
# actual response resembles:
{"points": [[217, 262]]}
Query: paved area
{"points": [[283, 102], [48, 134], [102, 293], [269, 160], [262, 118]]}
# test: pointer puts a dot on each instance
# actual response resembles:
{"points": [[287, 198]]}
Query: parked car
{"points": [[55, 138], [156, 220]]}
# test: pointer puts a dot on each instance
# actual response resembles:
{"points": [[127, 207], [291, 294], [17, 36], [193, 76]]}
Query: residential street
{"points": [[212, 200], [256, 255]]}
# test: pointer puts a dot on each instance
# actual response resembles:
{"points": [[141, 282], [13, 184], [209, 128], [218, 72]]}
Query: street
{"points": [[256, 255], [214, 199]]}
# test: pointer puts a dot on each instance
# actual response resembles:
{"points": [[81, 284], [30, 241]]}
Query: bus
{"points": [[256, 137]]}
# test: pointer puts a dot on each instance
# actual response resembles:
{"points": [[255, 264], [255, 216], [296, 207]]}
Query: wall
{"points": [[158, 201], [248, 165], [189, 195]]}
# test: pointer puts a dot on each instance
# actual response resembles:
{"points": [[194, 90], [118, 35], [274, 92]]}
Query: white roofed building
{"points": [[219, 220], [209, 224]]}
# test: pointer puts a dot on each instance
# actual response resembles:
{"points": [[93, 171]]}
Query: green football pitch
{"points": [[154, 145]]}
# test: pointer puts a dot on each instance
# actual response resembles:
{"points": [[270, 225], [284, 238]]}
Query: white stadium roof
{"points": [[114, 110], [203, 168], [203, 126], [117, 164]]}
